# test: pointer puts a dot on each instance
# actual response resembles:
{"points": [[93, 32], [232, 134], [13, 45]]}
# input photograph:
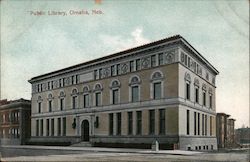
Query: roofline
{"points": [[124, 52]]}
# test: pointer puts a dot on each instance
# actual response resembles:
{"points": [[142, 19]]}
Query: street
{"points": [[48, 153]]}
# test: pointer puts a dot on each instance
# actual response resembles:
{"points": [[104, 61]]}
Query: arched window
{"points": [[98, 94], [134, 93], [61, 100], [50, 103], [86, 97], [187, 83], [74, 98], [115, 92], [157, 85]]}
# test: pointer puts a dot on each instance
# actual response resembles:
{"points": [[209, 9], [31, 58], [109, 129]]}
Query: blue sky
{"points": [[33, 45]]}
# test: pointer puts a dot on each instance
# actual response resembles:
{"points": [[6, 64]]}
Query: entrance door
{"points": [[85, 130]]}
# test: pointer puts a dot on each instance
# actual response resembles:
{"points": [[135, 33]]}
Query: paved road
{"points": [[31, 154]]}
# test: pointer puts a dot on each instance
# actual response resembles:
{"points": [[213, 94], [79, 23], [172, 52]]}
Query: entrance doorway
{"points": [[85, 130]]}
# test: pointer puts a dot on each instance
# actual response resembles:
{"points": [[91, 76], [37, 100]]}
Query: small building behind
{"points": [[242, 136], [14, 121], [225, 130]]}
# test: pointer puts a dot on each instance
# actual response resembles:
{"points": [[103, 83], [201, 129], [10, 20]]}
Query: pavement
{"points": [[103, 149]]}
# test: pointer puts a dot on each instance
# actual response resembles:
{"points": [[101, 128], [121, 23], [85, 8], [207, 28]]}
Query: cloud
{"points": [[117, 43]]}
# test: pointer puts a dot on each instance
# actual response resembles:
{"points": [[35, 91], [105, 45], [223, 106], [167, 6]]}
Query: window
{"points": [[98, 98], [50, 105], [211, 126], [197, 95], [100, 73], [210, 101], [135, 93], [151, 121], [138, 64], [111, 124], [157, 90], [112, 70], [138, 122], [189, 62], [131, 63], [60, 83], [41, 127], [195, 125], [187, 91], [72, 80], [160, 59], [52, 127], [77, 79], [115, 96], [185, 60], [86, 100], [95, 74], [188, 122], [59, 126], [74, 102], [202, 125], [118, 69], [204, 98], [64, 126], [198, 123], [37, 127], [153, 61], [119, 123], [39, 107], [162, 121], [52, 84], [48, 85], [47, 126], [61, 103], [205, 125], [130, 123]]}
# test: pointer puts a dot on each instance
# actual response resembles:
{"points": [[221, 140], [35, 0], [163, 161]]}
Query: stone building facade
{"points": [[15, 121], [163, 91], [225, 131]]}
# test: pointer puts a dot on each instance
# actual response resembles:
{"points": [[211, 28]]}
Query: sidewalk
{"points": [[103, 149]]}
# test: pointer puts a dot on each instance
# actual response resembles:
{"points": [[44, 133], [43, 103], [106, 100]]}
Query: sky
{"points": [[32, 45]]}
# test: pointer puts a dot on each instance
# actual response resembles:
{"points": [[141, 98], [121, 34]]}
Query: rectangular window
{"points": [[188, 122], [131, 63], [86, 100], [185, 61], [72, 80], [205, 125], [59, 126], [135, 94], [98, 98], [198, 123], [41, 127], [204, 98], [138, 122], [48, 85], [119, 123], [202, 124], [162, 121], [112, 70], [211, 126], [47, 126], [39, 107], [52, 127], [77, 79], [60, 83], [195, 123], [210, 101], [151, 121], [138, 64], [64, 126], [130, 123], [61, 103], [100, 73], [189, 62], [115, 96], [153, 61], [160, 59], [95, 75], [52, 84], [37, 127], [111, 124], [187, 91], [74, 102], [157, 90], [197, 95], [50, 106], [118, 69]]}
